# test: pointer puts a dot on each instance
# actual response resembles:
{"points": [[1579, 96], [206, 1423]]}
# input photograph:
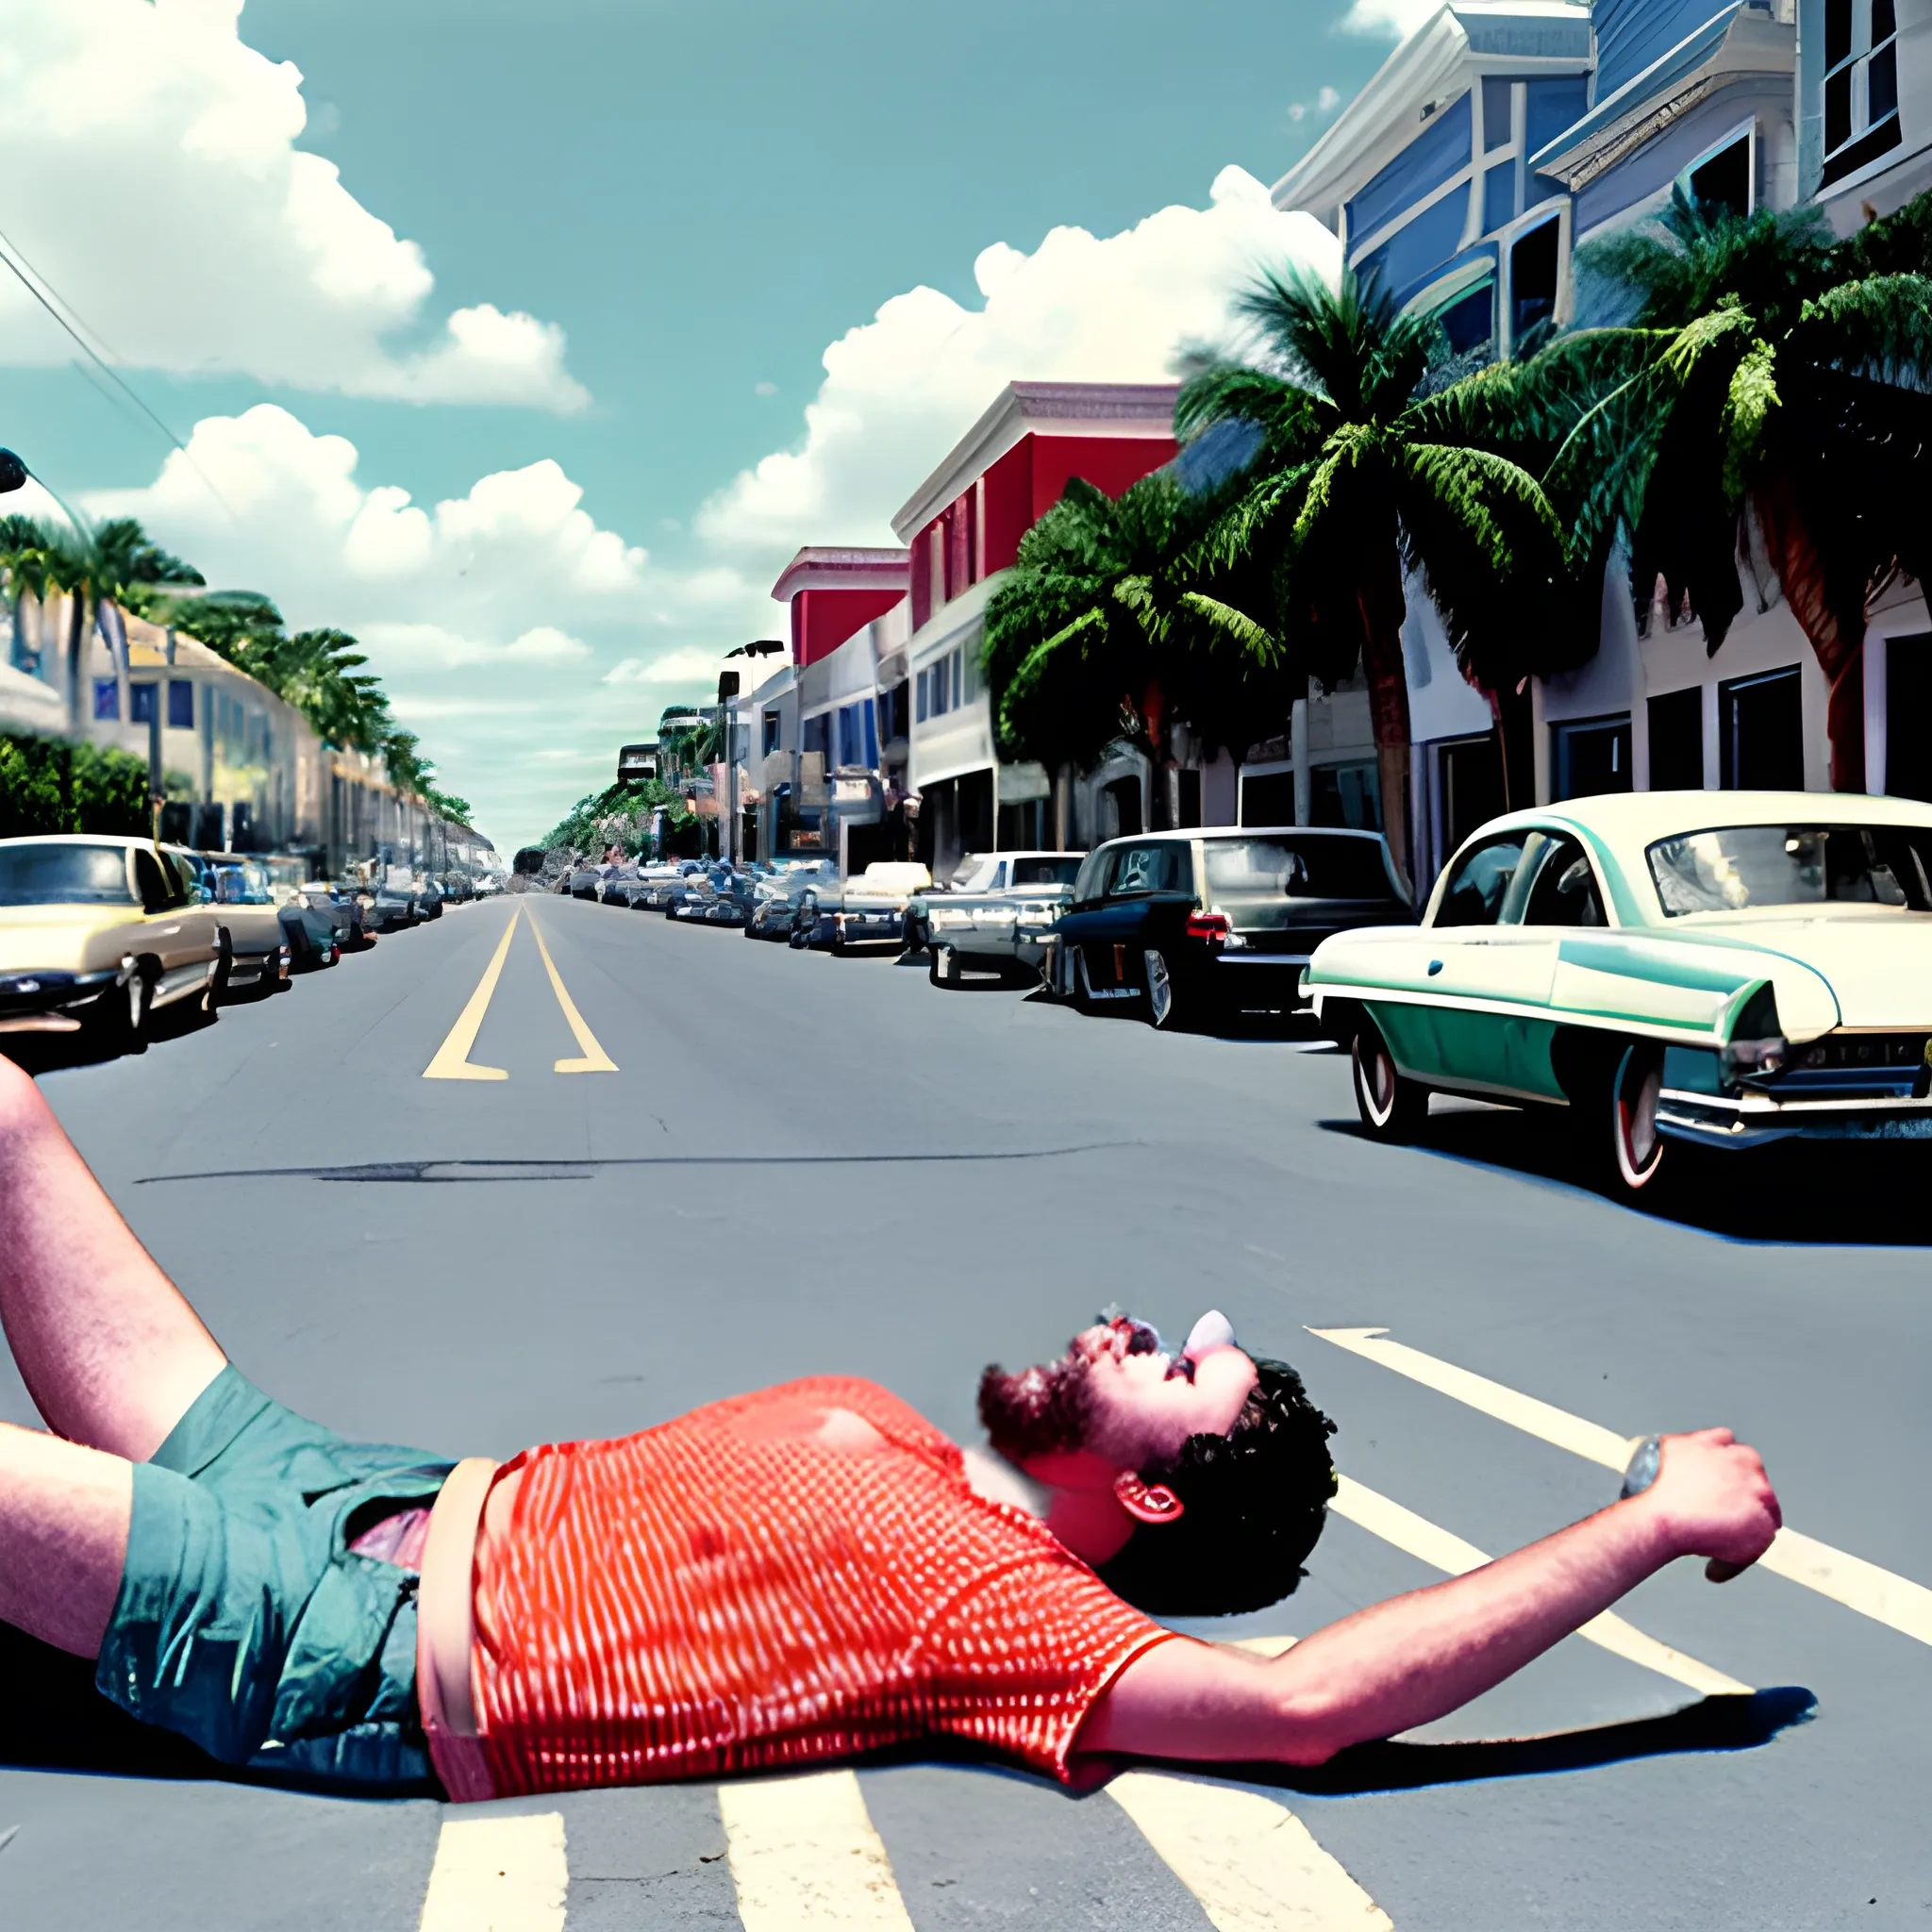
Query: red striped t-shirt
{"points": [[753, 1586]]}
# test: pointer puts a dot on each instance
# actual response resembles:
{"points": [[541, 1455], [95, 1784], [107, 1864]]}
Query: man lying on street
{"points": [[779, 1579]]}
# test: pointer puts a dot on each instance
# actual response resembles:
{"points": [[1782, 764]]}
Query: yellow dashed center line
{"points": [[452, 1062]]}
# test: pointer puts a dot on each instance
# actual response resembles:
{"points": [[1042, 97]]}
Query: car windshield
{"points": [[1046, 872], [1298, 869], [63, 875], [1736, 868]]}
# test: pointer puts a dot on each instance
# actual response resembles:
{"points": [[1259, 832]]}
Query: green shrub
{"points": [[47, 785]]}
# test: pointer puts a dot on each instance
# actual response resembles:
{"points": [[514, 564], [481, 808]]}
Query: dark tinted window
{"points": [[158, 891], [1481, 879], [1298, 868], [1565, 890], [63, 875], [1161, 868], [1046, 872]]}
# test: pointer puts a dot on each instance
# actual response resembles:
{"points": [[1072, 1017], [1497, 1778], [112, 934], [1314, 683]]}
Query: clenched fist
{"points": [[1714, 1500]]}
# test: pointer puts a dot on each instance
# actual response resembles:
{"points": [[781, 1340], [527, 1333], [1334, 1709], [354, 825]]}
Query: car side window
{"points": [[1480, 882], [1564, 891], [1153, 868], [151, 882], [1095, 870]]}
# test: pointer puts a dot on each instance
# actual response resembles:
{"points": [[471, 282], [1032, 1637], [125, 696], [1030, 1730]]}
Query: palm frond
{"points": [[1749, 398]]}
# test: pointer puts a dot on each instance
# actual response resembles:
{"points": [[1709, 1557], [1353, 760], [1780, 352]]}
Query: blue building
{"points": [[1493, 143]]}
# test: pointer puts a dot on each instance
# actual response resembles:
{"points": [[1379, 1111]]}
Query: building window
{"points": [[1473, 790], [180, 704], [1267, 798], [1346, 795], [1676, 740], [922, 694], [768, 740], [1761, 733], [1724, 180], [1860, 83], [1533, 263], [140, 704], [1499, 94], [1499, 196], [1468, 322], [1593, 755], [1908, 692], [108, 699]]}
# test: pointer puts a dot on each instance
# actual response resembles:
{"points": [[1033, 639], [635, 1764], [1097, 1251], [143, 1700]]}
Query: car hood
{"points": [[1878, 964]]}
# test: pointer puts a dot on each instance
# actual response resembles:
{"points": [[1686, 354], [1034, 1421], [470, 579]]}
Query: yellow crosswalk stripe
{"points": [[1250, 1862], [804, 1855], [1442, 1550], [497, 1871], [1878, 1593]]}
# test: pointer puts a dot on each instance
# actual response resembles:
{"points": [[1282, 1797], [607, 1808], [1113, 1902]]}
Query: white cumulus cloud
{"points": [[901, 389], [172, 209], [508, 626], [1397, 17]]}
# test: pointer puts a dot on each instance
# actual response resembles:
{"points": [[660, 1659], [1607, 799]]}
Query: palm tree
{"points": [[24, 558], [107, 565], [1768, 398], [1093, 640], [1359, 472]]}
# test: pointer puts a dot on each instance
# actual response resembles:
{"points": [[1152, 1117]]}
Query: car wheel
{"points": [[1392, 1106], [1637, 1148], [123, 1013], [942, 966], [1162, 1003]]}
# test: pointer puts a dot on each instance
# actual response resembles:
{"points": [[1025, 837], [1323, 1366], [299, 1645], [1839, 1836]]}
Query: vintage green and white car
{"points": [[1720, 968]]}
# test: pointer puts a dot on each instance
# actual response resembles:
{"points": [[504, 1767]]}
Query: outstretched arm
{"points": [[1416, 1657]]}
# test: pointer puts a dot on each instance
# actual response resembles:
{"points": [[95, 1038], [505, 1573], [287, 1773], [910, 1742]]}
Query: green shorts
{"points": [[245, 1623]]}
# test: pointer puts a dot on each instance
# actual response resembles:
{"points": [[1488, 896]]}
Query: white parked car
{"points": [[1720, 968]]}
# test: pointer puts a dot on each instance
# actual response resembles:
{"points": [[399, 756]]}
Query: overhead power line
{"points": [[77, 329]]}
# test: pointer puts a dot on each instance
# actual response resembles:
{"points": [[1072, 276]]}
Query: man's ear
{"points": [[1146, 1502]]}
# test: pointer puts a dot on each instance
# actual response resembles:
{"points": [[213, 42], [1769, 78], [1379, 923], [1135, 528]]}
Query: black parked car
{"points": [[1187, 925], [391, 908]]}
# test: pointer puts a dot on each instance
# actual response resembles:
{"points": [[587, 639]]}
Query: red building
{"points": [[963, 526]]}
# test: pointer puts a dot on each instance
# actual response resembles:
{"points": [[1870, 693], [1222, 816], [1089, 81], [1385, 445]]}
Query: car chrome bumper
{"points": [[1707, 1120]]}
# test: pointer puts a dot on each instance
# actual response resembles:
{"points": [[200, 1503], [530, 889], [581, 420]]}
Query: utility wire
{"points": [[50, 298]]}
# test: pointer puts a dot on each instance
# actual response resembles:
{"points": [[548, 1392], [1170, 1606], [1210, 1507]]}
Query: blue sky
{"points": [[637, 228]]}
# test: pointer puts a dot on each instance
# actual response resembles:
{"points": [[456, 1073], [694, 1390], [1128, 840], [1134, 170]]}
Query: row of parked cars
{"points": [[1717, 969], [99, 934]]}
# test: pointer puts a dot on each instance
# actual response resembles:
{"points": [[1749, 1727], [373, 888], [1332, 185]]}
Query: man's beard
{"points": [[1037, 1412]]}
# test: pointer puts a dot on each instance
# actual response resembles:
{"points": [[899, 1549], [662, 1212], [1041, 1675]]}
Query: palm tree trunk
{"points": [[76, 653], [1387, 682], [1837, 632]]}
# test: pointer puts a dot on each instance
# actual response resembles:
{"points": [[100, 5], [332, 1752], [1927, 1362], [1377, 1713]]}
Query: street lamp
{"points": [[727, 690]]}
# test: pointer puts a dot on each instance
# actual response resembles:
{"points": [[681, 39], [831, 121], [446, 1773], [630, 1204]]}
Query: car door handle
{"points": [[1435, 967]]}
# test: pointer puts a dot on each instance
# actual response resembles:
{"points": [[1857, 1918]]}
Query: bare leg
{"points": [[64, 1512], [110, 1352]]}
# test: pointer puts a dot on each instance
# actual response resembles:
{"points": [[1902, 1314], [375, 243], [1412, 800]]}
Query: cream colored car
{"points": [[99, 930]]}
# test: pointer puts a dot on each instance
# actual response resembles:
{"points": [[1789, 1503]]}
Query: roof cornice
{"points": [[832, 567], [1436, 60], [1039, 408]]}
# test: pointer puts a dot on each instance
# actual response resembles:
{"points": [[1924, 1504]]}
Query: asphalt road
{"points": [[804, 1164]]}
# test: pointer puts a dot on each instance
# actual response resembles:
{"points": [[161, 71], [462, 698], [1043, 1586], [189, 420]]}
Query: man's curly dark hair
{"points": [[1253, 1503]]}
